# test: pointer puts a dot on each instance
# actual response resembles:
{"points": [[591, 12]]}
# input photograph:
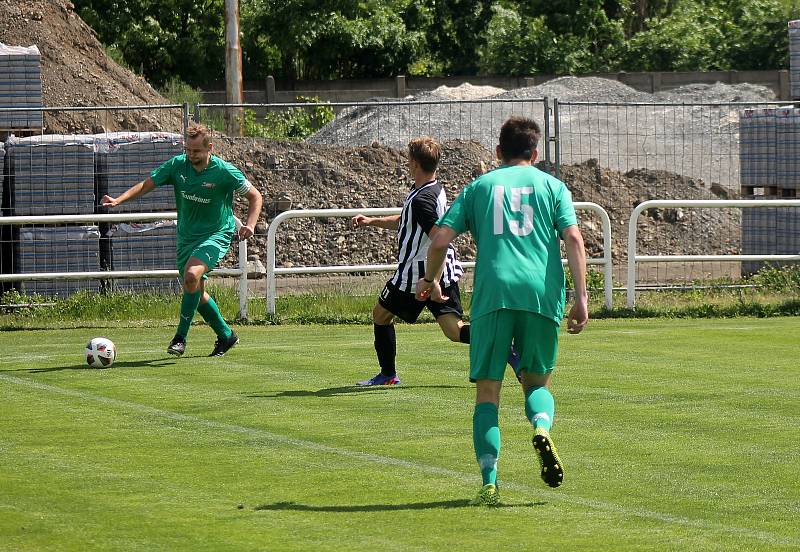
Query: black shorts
{"points": [[404, 306]]}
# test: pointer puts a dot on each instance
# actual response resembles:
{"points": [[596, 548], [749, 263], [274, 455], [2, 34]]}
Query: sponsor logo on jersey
{"points": [[209, 185], [196, 199]]}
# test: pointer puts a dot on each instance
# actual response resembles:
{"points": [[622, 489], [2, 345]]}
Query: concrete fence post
{"points": [[270, 84], [785, 93], [655, 82], [400, 86]]}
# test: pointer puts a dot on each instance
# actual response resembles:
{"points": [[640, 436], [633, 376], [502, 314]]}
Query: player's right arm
{"points": [[391, 222], [576, 258], [133, 192], [428, 285]]}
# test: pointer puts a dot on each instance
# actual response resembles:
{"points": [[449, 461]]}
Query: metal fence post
{"points": [[555, 138], [547, 157], [185, 118], [243, 284], [196, 115]]}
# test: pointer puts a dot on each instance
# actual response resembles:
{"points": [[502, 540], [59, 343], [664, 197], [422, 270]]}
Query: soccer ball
{"points": [[100, 352]]}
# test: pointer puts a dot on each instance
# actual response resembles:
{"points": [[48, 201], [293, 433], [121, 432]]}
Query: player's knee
{"points": [[191, 282], [451, 327], [381, 316]]}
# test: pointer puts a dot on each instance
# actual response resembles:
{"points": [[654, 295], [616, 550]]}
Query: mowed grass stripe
{"points": [[284, 440]]}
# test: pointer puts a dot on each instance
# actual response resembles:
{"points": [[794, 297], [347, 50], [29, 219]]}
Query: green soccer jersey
{"points": [[515, 215], [204, 200]]}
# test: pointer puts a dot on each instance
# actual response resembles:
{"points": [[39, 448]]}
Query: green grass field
{"points": [[675, 434]]}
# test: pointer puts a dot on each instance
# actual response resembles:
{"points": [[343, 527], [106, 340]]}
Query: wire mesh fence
{"points": [[352, 155], [47, 173], [620, 155]]}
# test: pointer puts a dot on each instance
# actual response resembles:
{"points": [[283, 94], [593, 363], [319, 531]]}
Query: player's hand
{"points": [[429, 290], [436, 293], [578, 316], [246, 232], [108, 201], [360, 220], [423, 290]]}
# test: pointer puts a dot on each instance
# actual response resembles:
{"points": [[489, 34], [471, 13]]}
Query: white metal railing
{"points": [[241, 272], [633, 258], [272, 270]]}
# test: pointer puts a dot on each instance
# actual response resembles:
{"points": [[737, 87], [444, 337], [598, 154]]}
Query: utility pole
{"points": [[234, 93]]}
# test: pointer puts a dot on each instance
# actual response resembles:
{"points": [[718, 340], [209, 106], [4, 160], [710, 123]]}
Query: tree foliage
{"points": [[713, 35], [162, 38], [329, 39], [334, 39]]}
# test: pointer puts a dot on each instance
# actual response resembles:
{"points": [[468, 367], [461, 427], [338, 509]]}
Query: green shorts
{"points": [[535, 339], [210, 251]]}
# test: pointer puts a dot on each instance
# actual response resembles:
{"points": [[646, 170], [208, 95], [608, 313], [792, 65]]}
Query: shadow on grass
{"points": [[156, 363], [443, 505], [346, 390]]}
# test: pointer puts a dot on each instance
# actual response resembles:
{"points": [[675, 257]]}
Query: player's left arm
{"points": [[254, 202], [242, 186], [576, 258]]}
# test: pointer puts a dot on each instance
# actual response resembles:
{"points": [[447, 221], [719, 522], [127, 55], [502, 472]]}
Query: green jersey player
{"points": [[204, 186], [517, 215]]}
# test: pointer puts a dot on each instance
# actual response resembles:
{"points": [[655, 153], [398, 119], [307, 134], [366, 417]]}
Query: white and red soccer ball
{"points": [[100, 352]]}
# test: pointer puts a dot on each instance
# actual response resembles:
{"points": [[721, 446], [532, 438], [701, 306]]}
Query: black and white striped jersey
{"points": [[421, 209]]}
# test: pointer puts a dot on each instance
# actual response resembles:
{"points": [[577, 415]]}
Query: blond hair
{"points": [[197, 129]]}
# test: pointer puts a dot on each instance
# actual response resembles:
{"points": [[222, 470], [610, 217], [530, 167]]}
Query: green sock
{"points": [[189, 304], [210, 313], [540, 407], [486, 439]]}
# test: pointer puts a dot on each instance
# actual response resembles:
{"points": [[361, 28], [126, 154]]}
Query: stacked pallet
{"points": [[127, 158], [6, 247], [769, 169], [3, 178], [757, 151], [769, 152], [20, 87], [52, 175], [69, 174], [794, 59], [143, 246], [57, 249]]}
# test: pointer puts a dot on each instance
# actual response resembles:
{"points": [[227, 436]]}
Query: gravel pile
{"points": [[580, 89], [697, 141]]}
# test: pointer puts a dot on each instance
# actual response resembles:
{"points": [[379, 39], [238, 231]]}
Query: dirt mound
{"points": [[660, 231], [76, 72], [303, 176], [295, 176]]}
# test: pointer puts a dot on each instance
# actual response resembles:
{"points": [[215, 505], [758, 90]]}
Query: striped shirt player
{"points": [[415, 226], [421, 209]]}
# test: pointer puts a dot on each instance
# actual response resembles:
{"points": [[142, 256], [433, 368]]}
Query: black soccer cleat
{"points": [[224, 344], [177, 346], [552, 468]]}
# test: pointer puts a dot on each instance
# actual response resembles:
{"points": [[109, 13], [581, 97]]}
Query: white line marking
{"points": [[556, 496]]}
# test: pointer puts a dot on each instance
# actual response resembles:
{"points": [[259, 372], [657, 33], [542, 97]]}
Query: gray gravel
{"points": [[624, 129]]}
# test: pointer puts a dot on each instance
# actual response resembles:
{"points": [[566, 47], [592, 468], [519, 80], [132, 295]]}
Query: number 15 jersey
{"points": [[515, 215]]}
